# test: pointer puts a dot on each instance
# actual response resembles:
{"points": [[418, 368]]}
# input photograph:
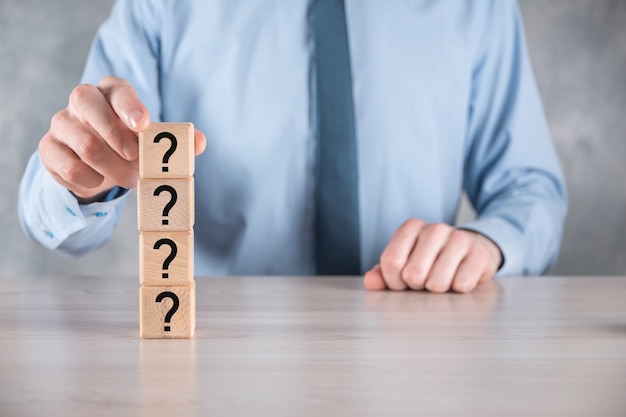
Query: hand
{"points": [[92, 145], [436, 257]]}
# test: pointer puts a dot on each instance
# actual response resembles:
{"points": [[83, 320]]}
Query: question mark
{"points": [[170, 204], [170, 151], [170, 257], [171, 311]]}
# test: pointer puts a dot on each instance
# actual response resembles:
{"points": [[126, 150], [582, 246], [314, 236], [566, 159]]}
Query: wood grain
{"points": [[171, 249], [154, 144], [167, 312], [150, 207], [297, 346]]}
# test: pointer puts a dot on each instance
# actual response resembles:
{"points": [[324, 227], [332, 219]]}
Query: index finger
{"points": [[395, 255], [125, 103]]}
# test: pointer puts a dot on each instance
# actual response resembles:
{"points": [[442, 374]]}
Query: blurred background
{"points": [[578, 50]]}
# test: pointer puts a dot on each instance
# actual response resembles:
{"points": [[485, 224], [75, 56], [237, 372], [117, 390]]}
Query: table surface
{"points": [[316, 346]]}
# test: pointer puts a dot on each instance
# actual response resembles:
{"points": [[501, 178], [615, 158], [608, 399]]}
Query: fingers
{"points": [[470, 272], [445, 267], [66, 167], [199, 142], [129, 109], [86, 143], [430, 242], [115, 112], [89, 105], [124, 101], [92, 144], [436, 257], [373, 279], [396, 254], [479, 266]]}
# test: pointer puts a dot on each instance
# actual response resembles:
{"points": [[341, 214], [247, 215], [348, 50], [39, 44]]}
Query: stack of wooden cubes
{"points": [[165, 194]]}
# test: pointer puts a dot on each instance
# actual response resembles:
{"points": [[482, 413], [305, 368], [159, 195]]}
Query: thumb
{"points": [[199, 142], [373, 279]]}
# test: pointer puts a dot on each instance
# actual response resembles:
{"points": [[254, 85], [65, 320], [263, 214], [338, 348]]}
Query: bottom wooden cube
{"points": [[167, 312]]}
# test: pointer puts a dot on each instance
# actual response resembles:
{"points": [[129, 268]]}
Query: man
{"points": [[419, 99]]}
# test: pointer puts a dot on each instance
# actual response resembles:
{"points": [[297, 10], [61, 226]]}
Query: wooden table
{"points": [[291, 346]]}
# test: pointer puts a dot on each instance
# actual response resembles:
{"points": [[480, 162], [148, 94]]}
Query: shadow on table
{"points": [[485, 298]]}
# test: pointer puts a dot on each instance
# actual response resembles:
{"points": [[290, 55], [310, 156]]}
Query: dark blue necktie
{"points": [[336, 191]]}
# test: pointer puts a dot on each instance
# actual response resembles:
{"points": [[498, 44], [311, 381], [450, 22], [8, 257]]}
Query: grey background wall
{"points": [[578, 48]]}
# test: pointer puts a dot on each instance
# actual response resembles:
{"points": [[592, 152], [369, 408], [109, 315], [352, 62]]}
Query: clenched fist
{"points": [[435, 257]]}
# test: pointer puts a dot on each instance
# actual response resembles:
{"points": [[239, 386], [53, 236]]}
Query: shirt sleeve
{"points": [[51, 215], [126, 46], [512, 174]]}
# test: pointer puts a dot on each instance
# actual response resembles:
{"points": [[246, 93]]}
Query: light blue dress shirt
{"points": [[445, 100]]}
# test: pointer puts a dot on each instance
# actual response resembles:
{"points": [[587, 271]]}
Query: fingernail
{"points": [[131, 150], [135, 118]]}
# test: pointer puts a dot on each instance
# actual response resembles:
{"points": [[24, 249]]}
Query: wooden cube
{"points": [[167, 312], [166, 258], [165, 204], [166, 150]]}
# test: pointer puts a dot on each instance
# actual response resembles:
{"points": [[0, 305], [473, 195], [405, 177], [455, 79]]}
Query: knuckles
{"points": [[460, 238], [414, 275], [59, 120], [391, 262], [113, 133], [43, 147], [413, 223], [438, 228], [72, 172], [89, 149], [111, 81], [418, 276], [81, 95]]}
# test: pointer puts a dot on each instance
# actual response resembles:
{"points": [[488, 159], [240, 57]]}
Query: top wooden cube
{"points": [[166, 150]]}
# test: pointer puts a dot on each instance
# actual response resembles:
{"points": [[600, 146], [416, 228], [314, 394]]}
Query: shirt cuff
{"points": [[116, 192], [62, 215], [504, 235]]}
